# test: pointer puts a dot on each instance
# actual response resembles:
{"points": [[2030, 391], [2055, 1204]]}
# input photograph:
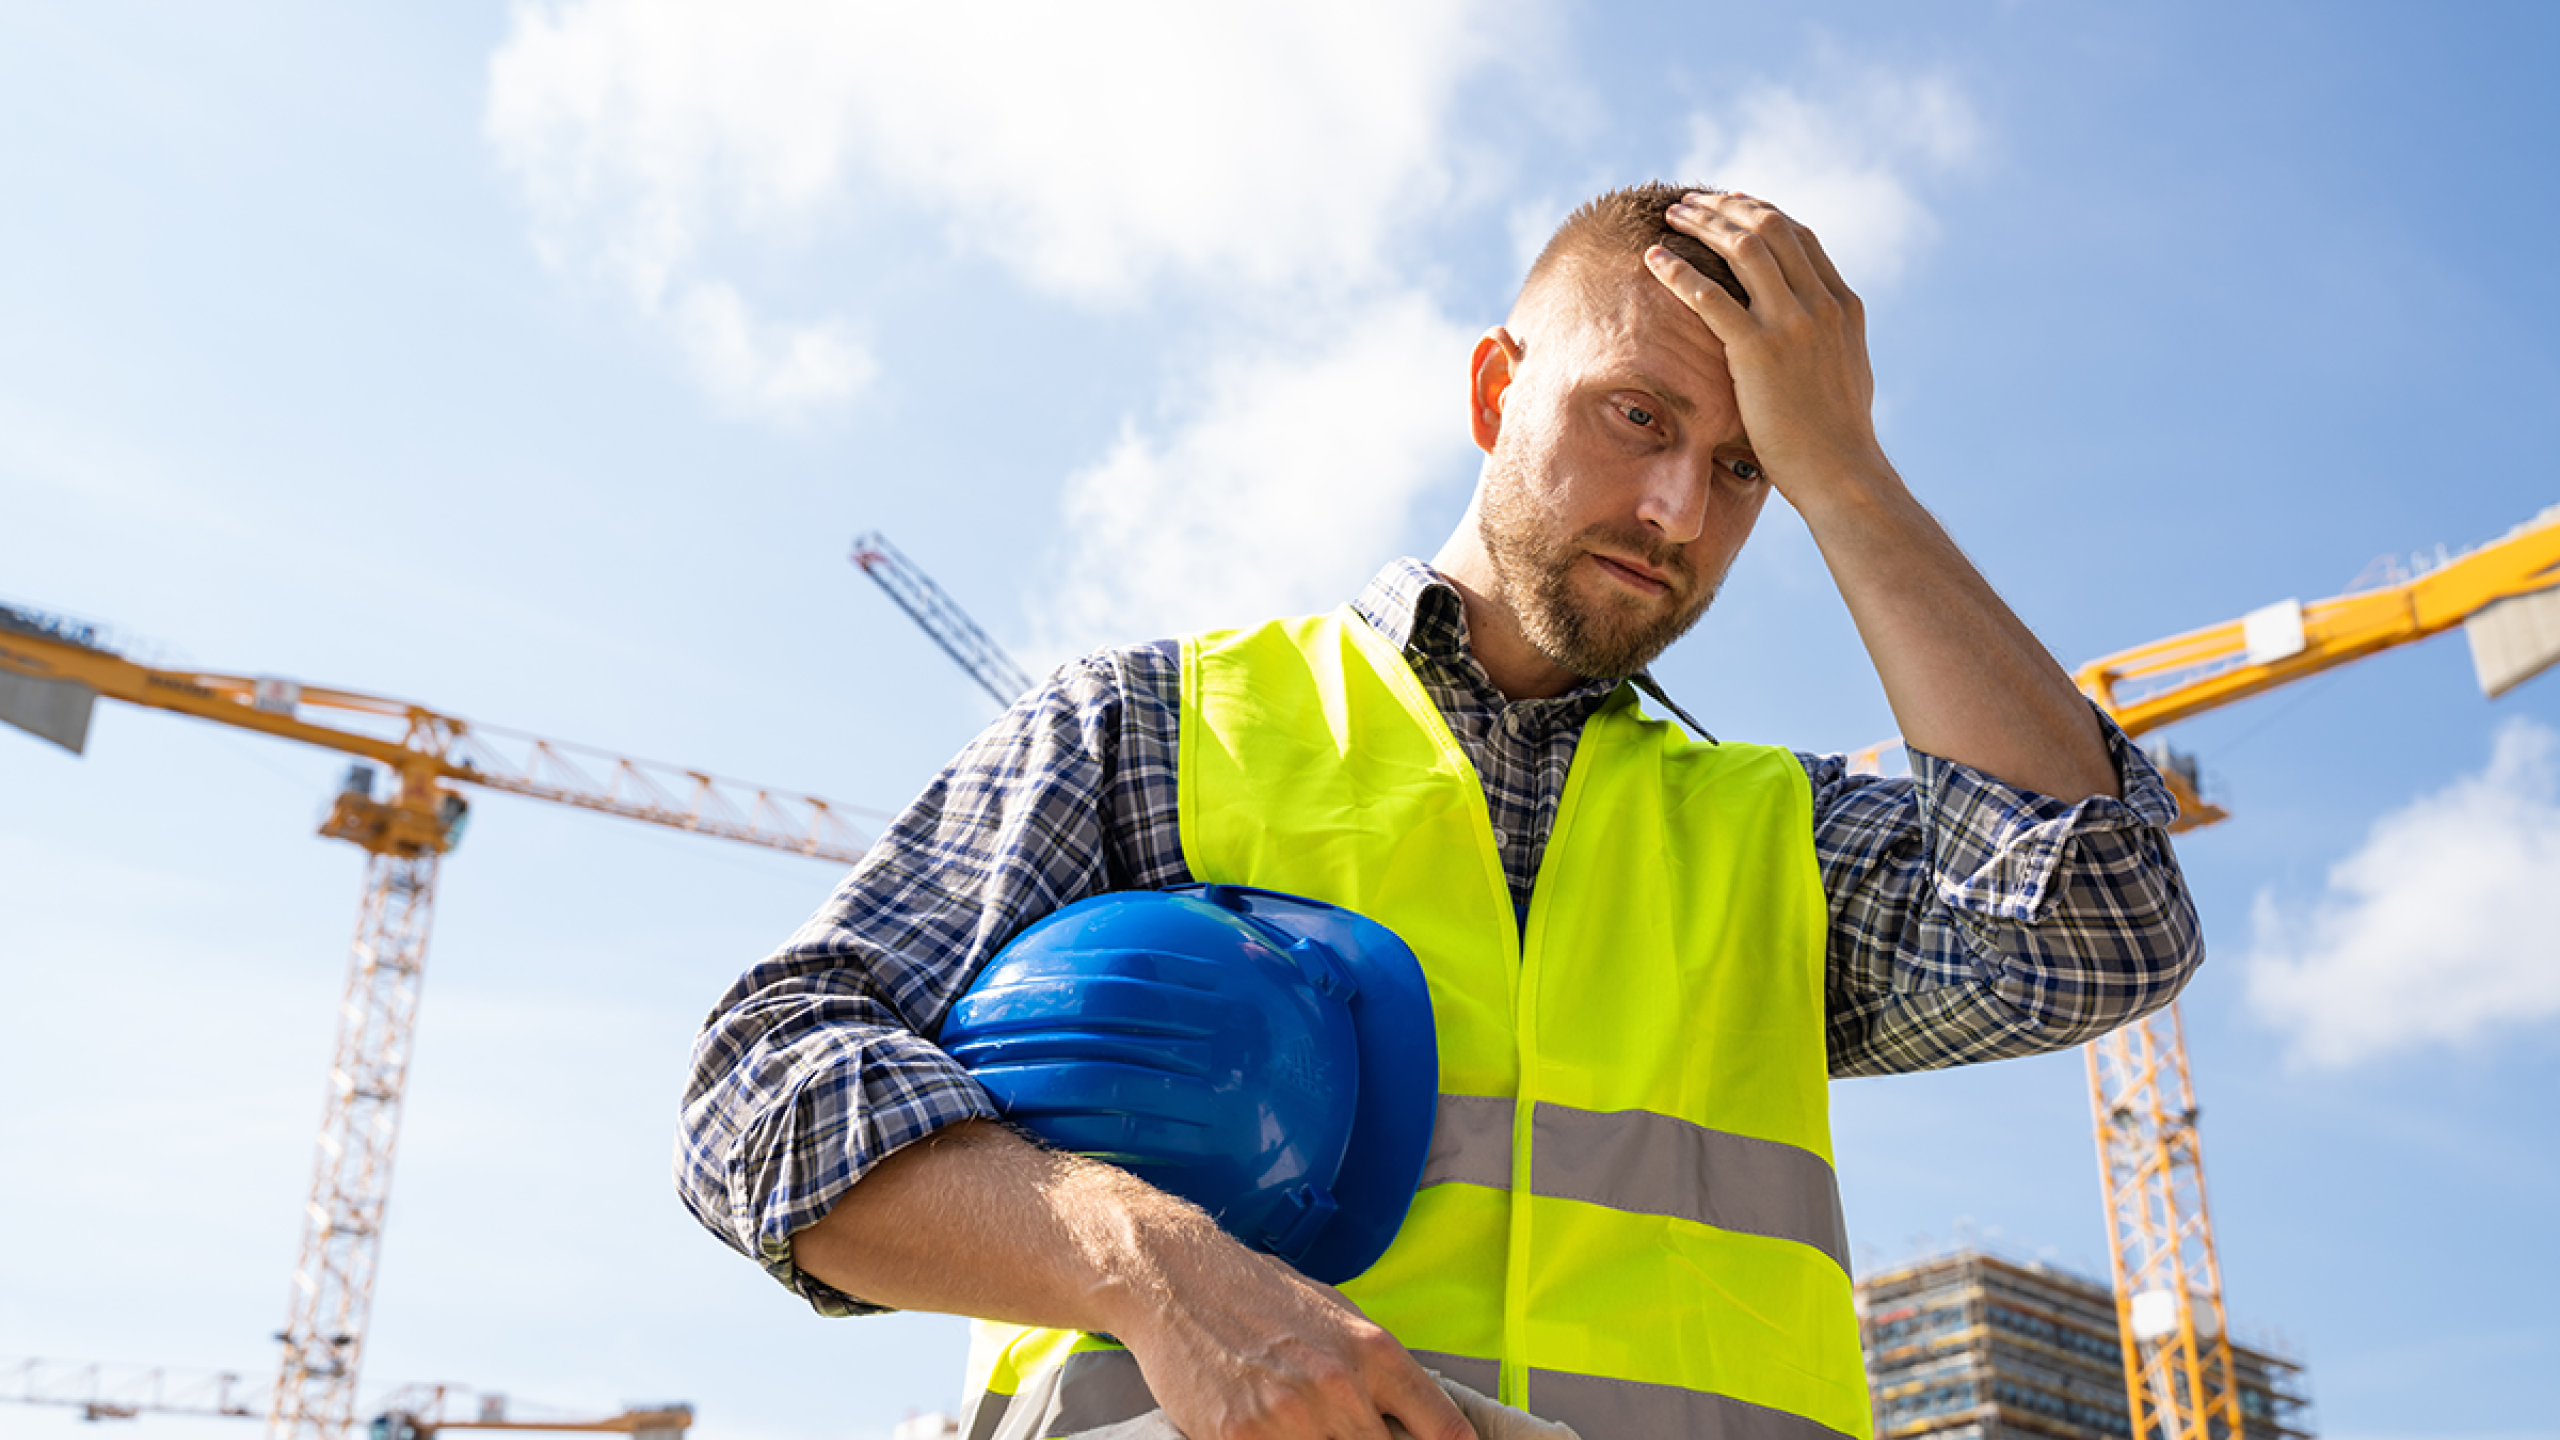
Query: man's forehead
{"points": [[1578, 291], [1626, 321]]}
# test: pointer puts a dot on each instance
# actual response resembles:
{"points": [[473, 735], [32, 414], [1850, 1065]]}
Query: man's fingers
{"points": [[1753, 237], [1252, 1350], [1765, 246], [1787, 238], [1724, 314], [1394, 1384], [1419, 1404], [1830, 273]]}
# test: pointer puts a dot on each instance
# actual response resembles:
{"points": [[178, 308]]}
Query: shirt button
{"points": [[1501, 841]]}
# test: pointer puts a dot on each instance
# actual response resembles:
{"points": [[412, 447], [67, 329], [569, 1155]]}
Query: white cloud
{"points": [[1089, 149], [1849, 163], [1293, 471], [2443, 929], [755, 368]]}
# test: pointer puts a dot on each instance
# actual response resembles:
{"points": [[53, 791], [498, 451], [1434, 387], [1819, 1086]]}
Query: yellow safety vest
{"points": [[1628, 1221]]}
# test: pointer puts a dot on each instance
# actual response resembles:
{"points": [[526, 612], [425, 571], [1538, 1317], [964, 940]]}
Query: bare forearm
{"points": [[978, 1221], [1967, 680]]}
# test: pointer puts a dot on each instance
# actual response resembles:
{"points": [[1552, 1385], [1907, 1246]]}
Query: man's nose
{"points": [[1674, 501]]}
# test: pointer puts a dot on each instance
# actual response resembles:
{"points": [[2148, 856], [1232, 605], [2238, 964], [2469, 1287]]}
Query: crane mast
{"points": [[332, 1293], [53, 671], [2179, 1374]]}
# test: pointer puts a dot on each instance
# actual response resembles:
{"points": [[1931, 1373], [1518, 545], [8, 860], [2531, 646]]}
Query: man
{"points": [[1655, 957]]}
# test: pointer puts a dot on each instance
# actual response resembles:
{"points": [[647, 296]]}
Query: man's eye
{"points": [[1640, 415], [1746, 470]]}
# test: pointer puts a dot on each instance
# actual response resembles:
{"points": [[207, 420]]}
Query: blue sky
{"points": [[538, 364]]}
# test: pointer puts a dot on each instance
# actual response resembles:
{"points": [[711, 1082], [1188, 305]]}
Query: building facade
{"points": [[1969, 1346]]}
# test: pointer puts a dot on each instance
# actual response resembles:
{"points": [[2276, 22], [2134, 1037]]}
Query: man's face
{"points": [[1620, 485]]}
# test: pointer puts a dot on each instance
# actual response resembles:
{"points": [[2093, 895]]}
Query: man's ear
{"points": [[1497, 356]]}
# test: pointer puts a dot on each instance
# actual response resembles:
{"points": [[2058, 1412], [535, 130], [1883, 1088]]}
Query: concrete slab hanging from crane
{"points": [[2514, 640], [55, 710]]}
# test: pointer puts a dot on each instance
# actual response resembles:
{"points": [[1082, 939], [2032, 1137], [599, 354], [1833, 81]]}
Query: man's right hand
{"points": [[1235, 1345], [1255, 1349]]}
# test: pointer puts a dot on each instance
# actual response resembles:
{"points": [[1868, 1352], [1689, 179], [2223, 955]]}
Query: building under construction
{"points": [[1973, 1347]]}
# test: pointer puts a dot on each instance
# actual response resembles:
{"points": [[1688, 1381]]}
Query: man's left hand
{"points": [[1966, 680], [1798, 354]]}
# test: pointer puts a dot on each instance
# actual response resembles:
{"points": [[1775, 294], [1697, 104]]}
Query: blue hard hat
{"points": [[1267, 1057]]}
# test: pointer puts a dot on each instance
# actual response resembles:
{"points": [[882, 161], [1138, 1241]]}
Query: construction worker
{"points": [[1647, 951]]}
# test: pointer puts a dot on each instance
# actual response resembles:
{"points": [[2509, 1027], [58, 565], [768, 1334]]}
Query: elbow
{"points": [[2107, 977]]}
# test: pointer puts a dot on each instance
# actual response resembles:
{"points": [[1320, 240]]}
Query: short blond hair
{"points": [[1609, 234]]}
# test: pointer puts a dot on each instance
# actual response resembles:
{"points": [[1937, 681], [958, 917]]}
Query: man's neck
{"points": [[1517, 668]]}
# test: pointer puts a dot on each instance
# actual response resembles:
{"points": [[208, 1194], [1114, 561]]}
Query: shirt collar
{"points": [[1394, 602], [1421, 613]]}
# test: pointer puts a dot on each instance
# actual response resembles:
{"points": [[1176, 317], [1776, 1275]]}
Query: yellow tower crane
{"points": [[2506, 596], [53, 672]]}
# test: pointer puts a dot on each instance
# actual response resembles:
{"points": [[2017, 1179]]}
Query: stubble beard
{"points": [[1533, 570]]}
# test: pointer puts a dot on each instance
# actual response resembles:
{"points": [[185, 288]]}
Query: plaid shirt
{"points": [[1970, 920]]}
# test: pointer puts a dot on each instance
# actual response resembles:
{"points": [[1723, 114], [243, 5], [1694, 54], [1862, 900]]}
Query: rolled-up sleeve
{"points": [[819, 1062], [1972, 920]]}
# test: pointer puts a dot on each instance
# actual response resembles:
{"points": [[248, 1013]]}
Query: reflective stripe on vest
{"points": [[1628, 1220], [1651, 1164]]}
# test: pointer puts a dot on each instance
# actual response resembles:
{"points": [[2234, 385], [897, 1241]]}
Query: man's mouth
{"points": [[1635, 574]]}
